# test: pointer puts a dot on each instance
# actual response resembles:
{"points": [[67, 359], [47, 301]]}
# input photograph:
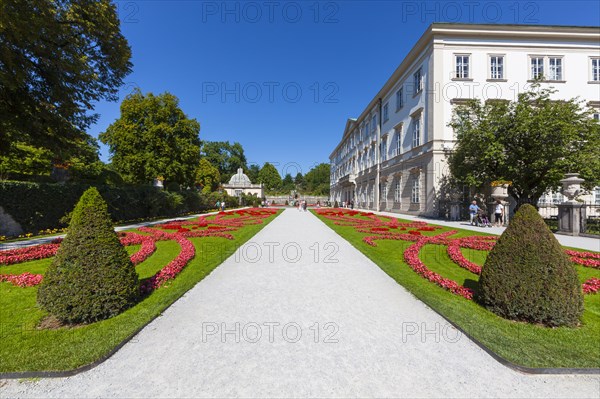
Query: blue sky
{"points": [[282, 77]]}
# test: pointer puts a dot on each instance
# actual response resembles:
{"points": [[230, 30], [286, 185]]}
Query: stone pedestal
{"points": [[571, 218]]}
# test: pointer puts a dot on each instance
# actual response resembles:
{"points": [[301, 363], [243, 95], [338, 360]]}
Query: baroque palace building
{"points": [[392, 157]]}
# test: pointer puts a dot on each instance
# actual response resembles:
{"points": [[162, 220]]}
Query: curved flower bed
{"points": [[219, 226], [22, 280], [379, 228]]}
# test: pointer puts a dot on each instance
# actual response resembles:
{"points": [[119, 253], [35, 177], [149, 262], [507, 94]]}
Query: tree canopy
{"points": [[316, 181], [252, 172], [57, 58], [531, 142], [270, 177], [152, 138], [226, 157], [207, 176], [287, 184]]}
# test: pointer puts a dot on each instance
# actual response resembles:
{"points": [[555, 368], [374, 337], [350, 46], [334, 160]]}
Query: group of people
{"points": [[475, 210], [302, 205], [348, 204], [220, 205]]}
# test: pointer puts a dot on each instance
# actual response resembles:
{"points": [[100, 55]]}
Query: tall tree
{"points": [[57, 59], [531, 142], [269, 176], [153, 137], [207, 176], [317, 179], [252, 172], [287, 184], [299, 181], [227, 157]]}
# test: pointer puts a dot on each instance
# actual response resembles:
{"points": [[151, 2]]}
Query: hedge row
{"points": [[39, 206]]}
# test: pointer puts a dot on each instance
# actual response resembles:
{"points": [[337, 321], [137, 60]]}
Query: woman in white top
{"points": [[499, 213]]}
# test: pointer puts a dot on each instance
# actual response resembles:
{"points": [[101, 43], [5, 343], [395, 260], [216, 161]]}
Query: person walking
{"points": [[223, 206], [473, 209], [499, 214], [218, 205]]}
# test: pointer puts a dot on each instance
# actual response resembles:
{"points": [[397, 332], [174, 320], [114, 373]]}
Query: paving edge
{"points": [[89, 366], [494, 355]]}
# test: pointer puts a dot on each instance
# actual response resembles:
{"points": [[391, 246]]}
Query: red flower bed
{"points": [[411, 256], [378, 229], [22, 280], [20, 255], [456, 255], [220, 227], [174, 267], [591, 286], [148, 247]]}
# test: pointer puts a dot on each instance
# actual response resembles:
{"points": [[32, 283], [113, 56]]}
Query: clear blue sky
{"points": [[282, 77]]}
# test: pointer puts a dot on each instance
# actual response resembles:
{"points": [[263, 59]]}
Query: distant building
{"points": [[392, 157], [240, 184]]}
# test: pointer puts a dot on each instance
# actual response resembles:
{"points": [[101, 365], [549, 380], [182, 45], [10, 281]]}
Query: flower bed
{"points": [[378, 228], [220, 226]]}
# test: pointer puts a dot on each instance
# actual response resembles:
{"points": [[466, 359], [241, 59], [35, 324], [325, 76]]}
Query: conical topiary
{"points": [[91, 278], [527, 276]]}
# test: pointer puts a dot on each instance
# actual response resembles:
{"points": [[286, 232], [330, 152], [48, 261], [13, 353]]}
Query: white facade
{"points": [[392, 156], [240, 184]]}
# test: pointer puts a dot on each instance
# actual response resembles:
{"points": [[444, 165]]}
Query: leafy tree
{"points": [[24, 159], [56, 60], [252, 173], [153, 137], [227, 157], [91, 278], [270, 177], [317, 179], [299, 181], [527, 275], [287, 184], [208, 176], [532, 142]]}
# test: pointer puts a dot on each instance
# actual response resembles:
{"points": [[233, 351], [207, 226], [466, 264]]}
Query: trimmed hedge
{"points": [[91, 278], [40, 206], [527, 276]]}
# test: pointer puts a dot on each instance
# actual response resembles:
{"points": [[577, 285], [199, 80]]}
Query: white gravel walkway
{"points": [[373, 338]]}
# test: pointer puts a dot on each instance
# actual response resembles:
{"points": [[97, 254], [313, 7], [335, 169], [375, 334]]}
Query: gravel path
{"points": [[373, 338]]}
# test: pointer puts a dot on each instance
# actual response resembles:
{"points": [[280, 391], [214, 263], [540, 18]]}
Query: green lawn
{"points": [[523, 344], [24, 347]]}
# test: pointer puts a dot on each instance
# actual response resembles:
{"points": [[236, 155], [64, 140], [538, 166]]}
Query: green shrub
{"points": [[39, 206], [527, 276], [91, 278]]}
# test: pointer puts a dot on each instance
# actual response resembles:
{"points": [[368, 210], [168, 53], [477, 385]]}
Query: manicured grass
{"points": [[24, 347], [521, 343]]}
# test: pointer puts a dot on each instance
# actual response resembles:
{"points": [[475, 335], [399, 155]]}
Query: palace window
{"points": [[399, 99], [398, 192], [415, 194], [496, 67], [418, 81], [537, 67], [595, 72], [555, 72], [416, 133], [462, 66]]}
